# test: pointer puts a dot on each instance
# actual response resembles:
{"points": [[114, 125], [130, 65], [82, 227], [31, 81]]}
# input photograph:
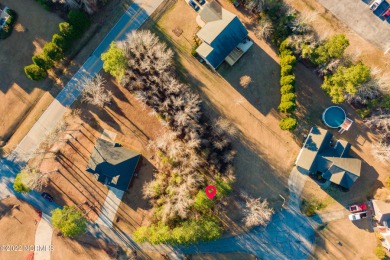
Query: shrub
{"points": [[60, 41], [69, 220], [287, 80], [288, 123], [288, 97], [80, 21], [288, 60], [245, 81], [42, 61], [286, 70], [331, 49], [34, 72], [11, 20], [380, 252], [287, 107], [53, 52], [19, 186], [363, 112], [286, 89], [202, 202], [66, 30], [385, 103], [114, 61]]}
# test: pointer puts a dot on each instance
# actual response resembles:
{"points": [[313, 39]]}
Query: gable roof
{"points": [[113, 165], [333, 162], [222, 33]]}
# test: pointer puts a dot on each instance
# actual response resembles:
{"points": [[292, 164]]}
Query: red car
{"points": [[386, 13], [358, 208]]}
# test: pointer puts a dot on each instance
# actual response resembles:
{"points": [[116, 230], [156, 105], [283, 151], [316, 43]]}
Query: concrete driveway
{"points": [[358, 16]]}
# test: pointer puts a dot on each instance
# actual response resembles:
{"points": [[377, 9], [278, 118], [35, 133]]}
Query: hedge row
{"points": [[6, 30], [287, 83], [60, 43]]}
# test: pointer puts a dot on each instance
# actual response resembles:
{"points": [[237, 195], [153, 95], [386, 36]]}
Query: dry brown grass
{"points": [[17, 227]]}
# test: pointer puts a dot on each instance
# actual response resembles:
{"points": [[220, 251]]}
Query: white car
{"points": [[375, 4], [357, 216]]}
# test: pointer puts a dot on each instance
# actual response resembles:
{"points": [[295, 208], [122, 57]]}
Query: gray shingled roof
{"points": [[333, 162], [113, 165]]}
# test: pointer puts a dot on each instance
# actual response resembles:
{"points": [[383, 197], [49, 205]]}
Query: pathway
{"points": [[43, 236]]}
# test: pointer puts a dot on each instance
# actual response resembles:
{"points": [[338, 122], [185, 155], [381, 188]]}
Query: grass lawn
{"points": [[18, 94], [17, 227]]}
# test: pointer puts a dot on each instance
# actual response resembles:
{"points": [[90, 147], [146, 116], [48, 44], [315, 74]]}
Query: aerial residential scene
{"points": [[194, 129]]}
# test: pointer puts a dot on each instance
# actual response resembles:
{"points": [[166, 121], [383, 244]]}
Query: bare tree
{"points": [[245, 81], [94, 91], [264, 29], [257, 212], [34, 179]]}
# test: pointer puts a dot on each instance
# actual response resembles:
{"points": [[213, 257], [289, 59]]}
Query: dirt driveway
{"points": [[18, 94]]}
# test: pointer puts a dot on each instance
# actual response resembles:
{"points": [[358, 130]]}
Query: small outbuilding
{"points": [[112, 164], [320, 153]]}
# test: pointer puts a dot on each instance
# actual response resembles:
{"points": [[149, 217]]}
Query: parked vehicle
{"points": [[375, 4], [386, 13], [358, 207], [47, 196], [193, 5], [357, 216], [201, 2]]}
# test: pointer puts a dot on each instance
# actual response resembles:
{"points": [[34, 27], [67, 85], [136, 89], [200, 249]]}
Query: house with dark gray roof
{"points": [[224, 37], [112, 164], [320, 153]]}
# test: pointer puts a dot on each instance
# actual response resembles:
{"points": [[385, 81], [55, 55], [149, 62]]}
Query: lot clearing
{"points": [[21, 219]]}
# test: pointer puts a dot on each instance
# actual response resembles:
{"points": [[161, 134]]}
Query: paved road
{"points": [[43, 236], [358, 16]]}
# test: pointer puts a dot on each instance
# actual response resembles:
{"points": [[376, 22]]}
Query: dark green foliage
{"points": [[288, 97], [42, 61], [287, 80], [67, 31], [80, 22], [363, 112], [6, 30], [223, 188], [53, 51], [346, 79], [13, 16], [34, 72], [288, 123], [60, 41], [287, 107], [288, 60], [331, 49], [286, 89], [44, 4], [286, 70], [385, 103]]}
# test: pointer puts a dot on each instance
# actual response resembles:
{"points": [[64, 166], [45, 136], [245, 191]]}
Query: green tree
{"points": [[67, 30], [114, 61], [385, 103], [287, 80], [202, 203], [333, 48], [42, 61], [35, 72], [60, 41], [288, 97], [288, 123], [286, 89], [69, 220], [79, 20], [19, 184], [288, 60], [286, 70], [346, 80], [53, 51], [287, 107], [380, 252]]}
